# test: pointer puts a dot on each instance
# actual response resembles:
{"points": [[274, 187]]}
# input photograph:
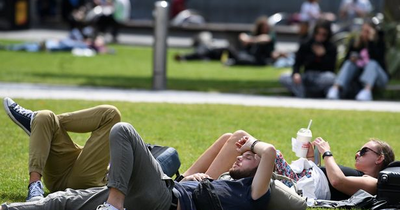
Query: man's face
{"points": [[245, 165]]}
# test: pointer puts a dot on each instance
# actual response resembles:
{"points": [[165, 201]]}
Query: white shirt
{"points": [[350, 7], [309, 11]]}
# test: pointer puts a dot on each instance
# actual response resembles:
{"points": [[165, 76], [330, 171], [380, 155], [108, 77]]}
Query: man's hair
{"points": [[236, 174], [386, 150]]}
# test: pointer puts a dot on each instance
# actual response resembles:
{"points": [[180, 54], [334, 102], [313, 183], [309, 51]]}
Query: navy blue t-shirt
{"points": [[234, 195]]}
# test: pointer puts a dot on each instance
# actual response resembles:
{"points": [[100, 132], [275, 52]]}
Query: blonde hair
{"points": [[386, 150]]}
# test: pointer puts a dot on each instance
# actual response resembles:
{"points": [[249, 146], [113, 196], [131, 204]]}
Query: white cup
{"points": [[304, 136]]}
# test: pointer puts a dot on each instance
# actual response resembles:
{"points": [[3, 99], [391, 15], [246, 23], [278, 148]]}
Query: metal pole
{"points": [[160, 45]]}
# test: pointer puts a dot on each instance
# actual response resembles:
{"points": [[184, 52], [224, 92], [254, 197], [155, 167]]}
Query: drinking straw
{"points": [[309, 124]]}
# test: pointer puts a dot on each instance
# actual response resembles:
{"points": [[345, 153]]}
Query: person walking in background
{"points": [[317, 57], [364, 63]]}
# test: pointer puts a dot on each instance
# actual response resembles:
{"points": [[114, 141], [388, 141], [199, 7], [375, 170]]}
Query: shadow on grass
{"points": [[229, 86]]}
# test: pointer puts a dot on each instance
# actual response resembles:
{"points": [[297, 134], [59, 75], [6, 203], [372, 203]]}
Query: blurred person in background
{"points": [[364, 65], [258, 48], [351, 9], [313, 71], [310, 12]]}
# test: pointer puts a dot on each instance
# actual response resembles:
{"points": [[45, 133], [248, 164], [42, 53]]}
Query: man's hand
{"points": [[196, 177], [244, 144]]}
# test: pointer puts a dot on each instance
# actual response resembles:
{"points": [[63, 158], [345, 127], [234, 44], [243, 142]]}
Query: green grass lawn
{"points": [[192, 128], [131, 67]]}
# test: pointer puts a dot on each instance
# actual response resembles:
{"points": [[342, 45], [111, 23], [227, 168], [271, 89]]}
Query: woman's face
{"points": [[366, 31], [321, 35], [369, 156]]}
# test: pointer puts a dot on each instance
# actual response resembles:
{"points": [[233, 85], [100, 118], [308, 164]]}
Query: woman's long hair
{"points": [[258, 25], [386, 150], [324, 24], [360, 43]]}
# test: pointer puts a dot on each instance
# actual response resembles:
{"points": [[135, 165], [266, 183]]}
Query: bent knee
{"points": [[113, 111], [44, 116], [285, 79], [120, 127]]}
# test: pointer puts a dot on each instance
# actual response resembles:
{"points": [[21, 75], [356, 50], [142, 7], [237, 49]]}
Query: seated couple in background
{"points": [[135, 175]]}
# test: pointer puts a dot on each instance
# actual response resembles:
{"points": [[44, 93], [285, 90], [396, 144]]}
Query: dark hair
{"points": [[259, 24], [386, 150], [324, 24]]}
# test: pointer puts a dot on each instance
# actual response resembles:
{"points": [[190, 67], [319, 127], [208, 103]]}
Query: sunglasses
{"points": [[364, 150]]}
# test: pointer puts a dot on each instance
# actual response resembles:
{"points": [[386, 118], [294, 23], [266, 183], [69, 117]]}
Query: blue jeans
{"points": [[66, 44], [372, 75], [314, 83]]}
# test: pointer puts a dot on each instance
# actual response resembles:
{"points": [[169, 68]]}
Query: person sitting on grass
{"points": [[136, 180], [314, 68], [364, 67], [52, 153]]}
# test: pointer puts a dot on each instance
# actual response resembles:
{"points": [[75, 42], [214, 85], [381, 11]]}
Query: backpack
{"points": [[389, 185], [167, 157]]}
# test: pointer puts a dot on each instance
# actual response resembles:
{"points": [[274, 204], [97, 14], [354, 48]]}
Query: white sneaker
{"points": [[364, 95], [333, 93], [106, 206]]}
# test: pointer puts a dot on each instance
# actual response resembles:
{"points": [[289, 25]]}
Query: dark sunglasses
{"points": [[364, 150]]}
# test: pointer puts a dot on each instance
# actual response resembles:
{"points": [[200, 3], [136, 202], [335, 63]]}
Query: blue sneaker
{"points": [[19, 115], [35, 191]]}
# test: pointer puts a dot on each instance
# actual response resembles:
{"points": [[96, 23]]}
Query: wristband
{"points": [[327, 154], [252, 146]]}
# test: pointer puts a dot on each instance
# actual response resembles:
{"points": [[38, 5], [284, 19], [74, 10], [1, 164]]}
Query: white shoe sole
{"points": [[7, 109], [37, 198]]}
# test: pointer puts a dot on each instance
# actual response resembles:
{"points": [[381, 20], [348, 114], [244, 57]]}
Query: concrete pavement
{"points": [[39, 91]]}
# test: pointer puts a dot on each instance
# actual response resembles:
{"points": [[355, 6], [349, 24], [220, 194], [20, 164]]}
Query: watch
{"points": [[327, 154]]}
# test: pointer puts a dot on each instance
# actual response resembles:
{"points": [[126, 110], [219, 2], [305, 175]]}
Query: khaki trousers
{"points": [[63, 163]]}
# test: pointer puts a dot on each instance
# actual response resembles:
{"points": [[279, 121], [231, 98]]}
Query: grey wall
{"points": [[240, 11]]}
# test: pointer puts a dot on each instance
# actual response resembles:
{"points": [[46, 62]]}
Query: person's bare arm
{"points": [[259, 39], [262, 178], [345, 184]]}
